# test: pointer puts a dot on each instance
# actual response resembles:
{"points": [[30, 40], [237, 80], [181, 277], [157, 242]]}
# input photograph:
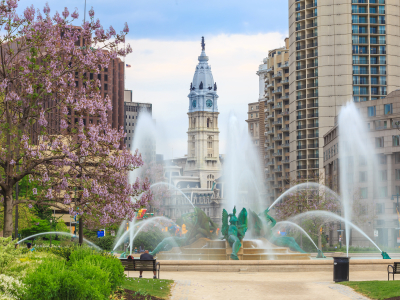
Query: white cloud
{"points": [[162, 71]]}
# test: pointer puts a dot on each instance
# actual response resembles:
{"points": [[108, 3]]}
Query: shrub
{"points": [[56, 280], [105, 243], [8, 252], [106, 262], [11, 288]]}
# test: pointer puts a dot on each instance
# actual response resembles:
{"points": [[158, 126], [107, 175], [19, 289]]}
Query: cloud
{"points": [[162, 71]]}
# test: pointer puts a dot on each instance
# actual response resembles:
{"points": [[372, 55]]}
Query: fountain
{"points": [[60, 233]]}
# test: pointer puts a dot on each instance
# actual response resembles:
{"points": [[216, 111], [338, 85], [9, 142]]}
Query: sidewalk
{"points": [[268, 285]]}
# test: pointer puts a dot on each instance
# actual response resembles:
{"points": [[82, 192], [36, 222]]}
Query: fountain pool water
{"points": [[335, 216], [298, 227]]}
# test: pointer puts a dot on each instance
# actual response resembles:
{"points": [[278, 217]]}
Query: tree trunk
{"points": [[81, 231], [8, 214]]}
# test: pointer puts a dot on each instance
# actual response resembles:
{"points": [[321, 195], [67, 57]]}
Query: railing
{"points": [[302, 157], [312, 105]]}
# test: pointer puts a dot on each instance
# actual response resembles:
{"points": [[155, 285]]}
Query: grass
{"points": [[154, 287], [375, 289]]}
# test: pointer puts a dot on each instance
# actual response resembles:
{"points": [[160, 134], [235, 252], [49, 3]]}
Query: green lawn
{"points": [[376, 289], [154, 287]]}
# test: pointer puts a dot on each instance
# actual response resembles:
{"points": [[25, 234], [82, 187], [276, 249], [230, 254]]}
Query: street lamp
{"points": [[301, 234], [340, 230]]}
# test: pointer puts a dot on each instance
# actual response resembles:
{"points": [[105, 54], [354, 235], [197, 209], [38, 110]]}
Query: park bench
{"points": [[395, 269], [141, 265]]}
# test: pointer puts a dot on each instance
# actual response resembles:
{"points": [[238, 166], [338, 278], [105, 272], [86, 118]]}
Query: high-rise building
{"points": [[339, 51], [132, 112], [274, 119], [253, 120]]}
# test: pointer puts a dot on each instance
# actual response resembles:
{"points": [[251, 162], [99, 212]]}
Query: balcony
{"points": [[270, 85], [300, 57], [301, 37], [285, 128], [270, 132], [277, 122], [312, 45], [312, 105], [312, 95], [311, 55], [300, 47], [301, 87], [279, 105], [277, 91], [270, 101], [313, 24], [313, 65], [277, 138], [311, 5], [311, 75], [299, 147], [277, 75], [312, 125], [300, 8], [313, 156], [312, 15], [301, 107], [311, 146], [301, 137], [302, 167], [277, 154], [301, 77], [301, 117], [301, 97], [286, 144], [269, 148], [270, 70], [298, 28], [269, 117], [270, 163], [316, 166], [311, 35], [313, 135], [299, 127], [312, 85], [300, 67], [302, 157], [285, 97], [285, 65], [300, 18]]}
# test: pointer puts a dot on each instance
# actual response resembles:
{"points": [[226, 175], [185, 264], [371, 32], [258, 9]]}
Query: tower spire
{"points": [[203, 45]]}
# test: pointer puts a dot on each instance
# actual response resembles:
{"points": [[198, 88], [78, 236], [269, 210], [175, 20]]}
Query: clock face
{"points": [[209, 103], [194, 102]]}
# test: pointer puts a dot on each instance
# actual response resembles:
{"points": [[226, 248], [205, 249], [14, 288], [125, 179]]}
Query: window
{"points": [[382, 159], [210, 181], [363, 161], [380, 208], [208, 122], [379, 142], [397, 174], [388, 109], [396, 140], [371, 111], [210, 142], [382, 175], [363, 176], [364, 193], [382, 192], [397, 158]]}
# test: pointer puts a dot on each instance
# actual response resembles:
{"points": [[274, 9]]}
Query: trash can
{"points": [[341, 269]]}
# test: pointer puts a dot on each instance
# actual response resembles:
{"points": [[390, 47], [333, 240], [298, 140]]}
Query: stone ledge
{"points": [[271, 265]]}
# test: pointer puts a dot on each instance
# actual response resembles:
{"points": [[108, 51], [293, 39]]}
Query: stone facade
{"points": [[381, 117]]}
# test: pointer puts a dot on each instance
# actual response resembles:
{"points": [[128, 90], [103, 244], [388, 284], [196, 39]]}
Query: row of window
{"points": [[364, 19], [357, 39], [372, 50], [387, 109]]}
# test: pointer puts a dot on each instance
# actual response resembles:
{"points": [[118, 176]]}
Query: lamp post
{"points": [[340, 230], [301, 234], [397, 207]]}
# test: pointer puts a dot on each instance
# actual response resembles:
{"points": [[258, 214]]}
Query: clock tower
{"points": [[203, 133]]}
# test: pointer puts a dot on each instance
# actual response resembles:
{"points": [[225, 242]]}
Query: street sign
{"points": [[100, 233], [340, 239], [376, 233]]}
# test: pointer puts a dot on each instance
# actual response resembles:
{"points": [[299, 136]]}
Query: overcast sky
{"points": [[165, 36]]}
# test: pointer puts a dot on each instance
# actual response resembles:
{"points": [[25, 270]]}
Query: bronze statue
{"points": [[235, 231]]}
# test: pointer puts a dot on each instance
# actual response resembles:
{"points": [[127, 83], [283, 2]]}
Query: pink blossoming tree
{"points": [[77, 167]]}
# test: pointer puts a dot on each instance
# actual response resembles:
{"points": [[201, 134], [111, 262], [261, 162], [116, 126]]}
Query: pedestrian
{"points": [[141, 248], [147, 256], [29, 245]]}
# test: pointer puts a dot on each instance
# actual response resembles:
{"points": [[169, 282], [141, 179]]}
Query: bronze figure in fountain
{"points": [[235, 231]]}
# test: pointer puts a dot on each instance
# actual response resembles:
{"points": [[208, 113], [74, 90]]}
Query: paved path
{"points": [[268, 285]]}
